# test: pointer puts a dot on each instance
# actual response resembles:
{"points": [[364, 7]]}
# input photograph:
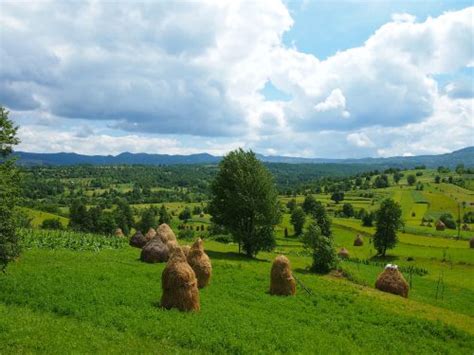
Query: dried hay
{"points": [[165, 233], [155, 251], [343, 253], [138, 240], [179, 283], [200, 263], [358, 242], [119, 233], [282, 282], [150, 234], [391, 280], [440, 226], [186, 249]]}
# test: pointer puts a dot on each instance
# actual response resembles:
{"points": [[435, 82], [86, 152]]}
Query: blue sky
{"points": [[302, 78]]}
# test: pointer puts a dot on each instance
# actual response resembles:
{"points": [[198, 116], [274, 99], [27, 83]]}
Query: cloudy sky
{"points": [[301, 78]]}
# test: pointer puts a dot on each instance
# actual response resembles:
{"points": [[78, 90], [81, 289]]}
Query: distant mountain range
{"points": [[464, 156]]}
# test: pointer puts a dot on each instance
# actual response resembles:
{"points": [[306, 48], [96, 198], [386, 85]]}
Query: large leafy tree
{"points": [[321, 248], [9, 191], [387, 221], [322, 219], [297, 220], [245, 201]]}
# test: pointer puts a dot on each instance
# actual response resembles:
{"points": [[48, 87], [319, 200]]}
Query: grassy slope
{"points": [[108, 301], [39, 216]]}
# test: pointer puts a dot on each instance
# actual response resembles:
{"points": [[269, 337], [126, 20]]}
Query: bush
{"points": [[321, 248], [186, 234], [223, 238], [448, 221], [51, 223]]}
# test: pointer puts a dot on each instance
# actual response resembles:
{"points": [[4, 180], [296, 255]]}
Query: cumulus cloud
{"points": [[197, 70]]}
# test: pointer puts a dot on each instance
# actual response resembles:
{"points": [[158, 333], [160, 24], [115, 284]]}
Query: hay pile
{"points": [[391, 280], [471, 243], [155, 251], [179, 283], [358, 242], [165, 233], [440, 226], [186, 249], [119, 233], [200, 263], [150, 234], [343, 253], [282, 282], [138, 240]]}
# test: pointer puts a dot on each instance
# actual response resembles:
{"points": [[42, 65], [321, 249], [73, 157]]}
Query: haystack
{"points": [[186, 249], [440, 226], [200, 263], [282, 282], [155, 251], [165, 233], [471, 243], [150, 234], [119, 233], [179, 283], [138, 240], [391, 280], [358, 242], [343, 253]]}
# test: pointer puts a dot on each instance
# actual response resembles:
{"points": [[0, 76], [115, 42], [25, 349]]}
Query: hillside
{"points": [[464, 156]]}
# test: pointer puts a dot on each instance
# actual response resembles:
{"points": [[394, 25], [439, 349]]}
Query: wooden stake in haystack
{"points": [[179, 283], [391, 280], [200, 263], [282, 282]]}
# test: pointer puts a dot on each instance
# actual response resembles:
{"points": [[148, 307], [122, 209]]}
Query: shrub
{"points": [[321, 248], [186, 234], [51, 223]]}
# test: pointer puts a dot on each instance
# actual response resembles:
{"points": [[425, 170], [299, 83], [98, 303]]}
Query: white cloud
{"points": [[196, 69]]}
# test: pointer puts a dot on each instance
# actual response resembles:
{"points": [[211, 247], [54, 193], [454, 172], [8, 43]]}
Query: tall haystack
{"points": [[440, 226], [343, 253], [119, 233], [186, 249], [471, 243], [391, 280], [150, 234], [282, 282], [200, 263], [165, 233], [138, 240], [155, 251], [179, 284], [358, 242]]}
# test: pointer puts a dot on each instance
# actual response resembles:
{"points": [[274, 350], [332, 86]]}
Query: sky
{"points": [[332, 79]]}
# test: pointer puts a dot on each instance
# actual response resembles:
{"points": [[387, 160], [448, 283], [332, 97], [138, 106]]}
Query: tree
{"points": [[147, 220], [411, 179], [348, 210], [322, 219], [245, 201], [297, 220], [397, 176], [51, 223], [9, 191], [164, 215], [197, 210], [291, 205], [388, 221], [337, 196], [437, 179], [368, 219], [79, 217], [309, 204], [123, 216], [185, 214], [321, 248]]}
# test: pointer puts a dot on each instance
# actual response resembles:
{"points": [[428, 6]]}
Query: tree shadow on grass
{"points": [[230, 255]]}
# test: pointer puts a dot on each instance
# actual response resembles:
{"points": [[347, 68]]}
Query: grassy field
{"points": [[106, 301]]}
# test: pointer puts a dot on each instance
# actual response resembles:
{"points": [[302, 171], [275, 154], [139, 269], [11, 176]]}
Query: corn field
{"points": [[80, 241]]}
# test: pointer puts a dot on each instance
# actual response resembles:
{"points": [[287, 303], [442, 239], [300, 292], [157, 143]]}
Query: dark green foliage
{"points": [[123, 216], [309, 204], [291, 205], [397, 176], [164, 215], [448, 220], [51, 223], [437, 179], [348, 210], [368, 219], [197, 210], [381, 181], [388, 221], [147, 220], [245, 201], [185, 214], [468, 217], [411, 179], [337, 196], [321, 248], [10, 179], [297, 220], [186, 234], [322, 219]]}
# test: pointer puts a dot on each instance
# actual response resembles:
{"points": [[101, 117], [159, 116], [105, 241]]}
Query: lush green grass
{"points": [[37, 217], [56, 301]]}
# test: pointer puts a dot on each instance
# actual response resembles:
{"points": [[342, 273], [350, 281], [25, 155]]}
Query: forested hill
{"points": [[464, 156]]}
